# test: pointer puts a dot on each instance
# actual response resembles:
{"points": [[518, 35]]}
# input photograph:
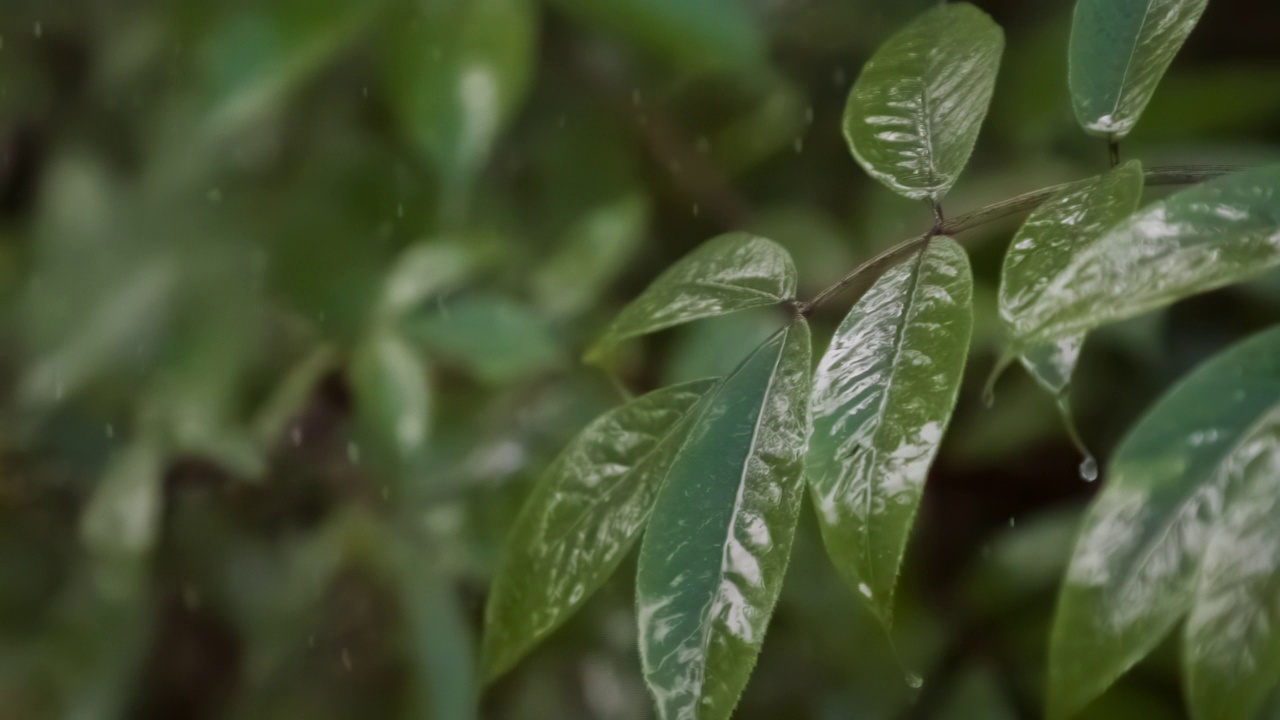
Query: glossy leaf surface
{"points": [[582, 519], [1232, 637], [882, 396], [1133, 570], [913, 115], [1045, 245], [457, 70], [1119, 51], [716, 549], [1222, 232], [730, 272]]}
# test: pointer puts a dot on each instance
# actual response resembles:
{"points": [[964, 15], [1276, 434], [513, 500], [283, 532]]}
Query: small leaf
{"points": [[692, 35], [423, 271], [1232, 637], [1045, 245], [493, 337], [1133, 570], [882, 397], [1119, 51], [392, 394], [716, 548], [913, 115], [457, 70], [1222, 232], [595, 248], [582, 519], [730, 272]]}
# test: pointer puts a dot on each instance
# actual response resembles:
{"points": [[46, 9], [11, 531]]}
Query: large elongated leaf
{"points": [[1119, 51], [1045, 245], [882, 396], [457, 70], [913, 115], [582, 518], [716, 548], [1232, 640], [1133, 569], [730, 272], [1201, 238]]}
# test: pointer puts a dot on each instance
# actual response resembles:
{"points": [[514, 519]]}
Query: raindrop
{"points": [[295, 434], [864, 589], [837, 77], [111, 430], [915, 681], [365, 92], [38, 29], [635, 97], [696, 209], [808, 115], [311, 640], [353, 453], [1089, 468], [400, 210], [59, 390], [1011, 522], [214, 195], [799, 145], [346, 659]]}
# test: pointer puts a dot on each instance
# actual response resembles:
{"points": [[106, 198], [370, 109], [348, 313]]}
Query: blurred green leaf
{"points": [[716, 549], [692, 35], [1232, 636], [914, 114], [593, 250], [1051, 238], [490, 336], [393, 395], [422, 271], [1133, 571], [730, 272], [582, 518], [457, 71], [1215, 234], [882, 397], [1119, 51]]}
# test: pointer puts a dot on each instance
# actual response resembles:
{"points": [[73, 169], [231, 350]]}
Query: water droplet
{"points": [[110, 430], [864, 589], [696, 209], [59, 390], [295, 434], [799, 145], [635, 97], [365, 91], [808, 115], [346, 659], [190, 597], [311, 640], [353, 453], [38, 29], [915, 681], [400, 210], [1089, 468], [214, 195], [703, 145], [1011, 522]]}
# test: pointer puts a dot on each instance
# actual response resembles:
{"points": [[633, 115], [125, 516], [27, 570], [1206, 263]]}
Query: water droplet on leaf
{"points": [[1089, 468], [915, 681]]}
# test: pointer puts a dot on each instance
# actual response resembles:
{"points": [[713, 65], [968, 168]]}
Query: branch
{"points": [[868, 272]]}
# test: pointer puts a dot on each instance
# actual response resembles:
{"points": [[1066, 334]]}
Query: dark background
{"points": [[200, 207]]}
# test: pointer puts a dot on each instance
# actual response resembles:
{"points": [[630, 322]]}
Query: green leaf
{"points": [[692, 35], [913, 115], [457, 70], [1133, 570], [1232, 637], [1215, 234], [730, 272], [392, 395], [493, 337], [882, 396], [1119, 51], [594, 249], [423, 271], [1045, 245], [582, 519], [716, 548]]}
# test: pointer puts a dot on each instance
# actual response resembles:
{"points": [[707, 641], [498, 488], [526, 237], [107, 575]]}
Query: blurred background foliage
{"points": [[294, 293]]}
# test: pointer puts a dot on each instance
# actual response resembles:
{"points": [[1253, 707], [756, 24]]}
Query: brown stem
{"points": [[862, 276]]}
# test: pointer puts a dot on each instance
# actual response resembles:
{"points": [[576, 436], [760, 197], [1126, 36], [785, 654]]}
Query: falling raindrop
{"points": [[1089, 468], [400, 210], [346, 659], [214, 195], [808, 115], [696, 209], [915, 681], [111, 430], [59, 390], [1011, 522], [365, 92], [864, 589], [311, 640], [38, 28], [295, 434], [799, 145], [353, 453], [635, 97]]}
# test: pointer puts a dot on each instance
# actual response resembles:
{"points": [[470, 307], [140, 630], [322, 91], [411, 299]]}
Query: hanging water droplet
{"points": [[1089, 469], [915, 681]]}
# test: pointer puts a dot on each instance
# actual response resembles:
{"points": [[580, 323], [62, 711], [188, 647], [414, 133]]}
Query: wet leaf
{"points": [[913, 115], [582, 519], [1222, 232], [423, 271], [457, 70], [493, 337], [730, 272], [716, 548], [1051, 238], [1133, 570], [594, 249], [1119, 51], [697, 35], [392, 395], [882, 396], [1232, 637]]}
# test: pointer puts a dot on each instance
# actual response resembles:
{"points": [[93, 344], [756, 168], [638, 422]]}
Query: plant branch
{"points": [[865, 274]]}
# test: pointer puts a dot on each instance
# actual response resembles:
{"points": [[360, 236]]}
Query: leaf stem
{"points": [[865, 274]]}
